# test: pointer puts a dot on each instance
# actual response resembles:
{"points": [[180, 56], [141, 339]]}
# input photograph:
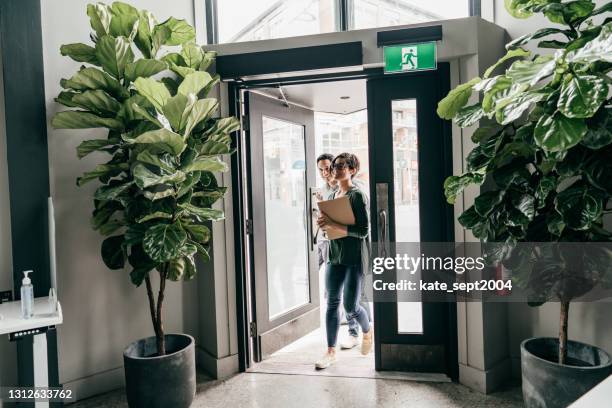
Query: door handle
{"points": [[311, 211], [382, 203]]}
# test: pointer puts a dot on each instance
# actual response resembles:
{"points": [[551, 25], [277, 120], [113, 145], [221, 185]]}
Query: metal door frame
{"points": [[242, 202]]}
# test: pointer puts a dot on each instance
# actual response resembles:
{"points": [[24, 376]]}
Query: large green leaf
{"points": [[558, 133], [159, 192], [127, 112], [580, 206], [599, 170], [214, 148], [199, 233], [101, 170], [163, 242], [200, 111], [177, 109], [485, 202], [496, 89], [154, 216], [97, 101], [124, 21], [599, 133], [456, 99], [516, 106], [111, 192], [470, 218], [99, 17], [469, 115], [531, 72], [80, 52], [179, 31], [207, 214], [155, 92], [518, 8], [141, 263], [93, 78], [164, 139], [145, 178], [206, 164], [164, 162], [146, 23], [113, 253], [194, 83], [513, 53], [598, 49], [144, 68], [176, 269], [83, 120], [192, 55], [525, 204], [524, 39], [582, 96], [454, 185], [224, 126], [114, 54], [89, 146], [569, 12], [546, 185]]}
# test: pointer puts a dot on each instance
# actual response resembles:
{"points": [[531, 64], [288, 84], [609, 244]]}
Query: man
{"points": [[326, 193]]}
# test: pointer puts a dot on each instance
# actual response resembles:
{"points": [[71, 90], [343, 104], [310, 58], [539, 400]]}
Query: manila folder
{"points": [[339, 210]]}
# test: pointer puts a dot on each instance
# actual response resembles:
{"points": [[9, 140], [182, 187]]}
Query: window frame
{"points": [[344, 17]]}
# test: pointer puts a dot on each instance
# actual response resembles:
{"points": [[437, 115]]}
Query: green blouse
{"points": [[347, 250]]}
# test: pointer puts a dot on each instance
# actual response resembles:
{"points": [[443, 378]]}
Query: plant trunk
{"points": [[563, 331], [159, 332], [151, 303]]}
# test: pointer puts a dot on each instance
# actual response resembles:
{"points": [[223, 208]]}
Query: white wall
{"points": [[588, 322], [103, 311], [8, 351]]}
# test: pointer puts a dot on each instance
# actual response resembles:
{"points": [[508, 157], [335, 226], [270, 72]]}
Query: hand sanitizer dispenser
{"points": [[27, 296]]}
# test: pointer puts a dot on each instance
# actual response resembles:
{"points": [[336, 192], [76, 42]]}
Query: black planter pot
{"points": [[548, 384], [166, 381]]}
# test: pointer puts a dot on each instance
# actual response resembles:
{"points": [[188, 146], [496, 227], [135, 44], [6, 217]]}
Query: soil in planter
{"points": [[569, 361]]}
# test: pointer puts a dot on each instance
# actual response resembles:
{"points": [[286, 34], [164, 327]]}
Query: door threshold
{"points": [[346, 372]]}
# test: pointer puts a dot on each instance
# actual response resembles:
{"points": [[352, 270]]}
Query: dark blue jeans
{"points": [[343, 281]]}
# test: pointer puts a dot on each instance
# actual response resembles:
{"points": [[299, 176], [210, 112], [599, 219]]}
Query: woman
{"points": [[344, 274]]}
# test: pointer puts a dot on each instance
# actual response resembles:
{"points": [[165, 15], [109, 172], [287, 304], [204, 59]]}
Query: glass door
{"points": [[409, 160], [285, 276]]}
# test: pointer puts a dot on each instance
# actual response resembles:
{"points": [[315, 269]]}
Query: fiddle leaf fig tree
{"points": [[546, 146], [163, 144]]}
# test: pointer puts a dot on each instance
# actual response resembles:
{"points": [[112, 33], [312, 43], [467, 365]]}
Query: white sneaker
{"points": [[325, 361], [366, 342], [349, 342]]}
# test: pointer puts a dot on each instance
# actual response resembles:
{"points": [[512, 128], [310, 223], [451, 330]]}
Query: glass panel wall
{"points": [[285, 199], [240, 20], [406, 201], [383, 13]]}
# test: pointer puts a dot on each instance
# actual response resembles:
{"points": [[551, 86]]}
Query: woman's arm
{"points": [[361, 228]]}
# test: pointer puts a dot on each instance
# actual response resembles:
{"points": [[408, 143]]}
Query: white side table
{"points": [[44, 317]]}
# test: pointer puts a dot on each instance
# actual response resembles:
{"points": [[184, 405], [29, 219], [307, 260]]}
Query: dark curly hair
{"points": [[351, 161], [325, 156]]}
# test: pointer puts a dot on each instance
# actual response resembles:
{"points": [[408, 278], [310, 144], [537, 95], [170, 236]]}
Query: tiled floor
{"points": [[257, 390]]}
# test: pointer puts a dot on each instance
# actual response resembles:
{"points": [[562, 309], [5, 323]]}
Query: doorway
{"points": [[405, 153]]}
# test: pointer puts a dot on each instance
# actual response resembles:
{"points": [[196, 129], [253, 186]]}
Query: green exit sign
{"points": [[410, 57]]}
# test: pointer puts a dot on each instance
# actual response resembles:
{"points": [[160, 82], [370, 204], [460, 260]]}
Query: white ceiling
{"points": [[325, 96]]}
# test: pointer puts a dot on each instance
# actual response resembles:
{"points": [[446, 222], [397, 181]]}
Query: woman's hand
{"points": [[324, 222], [327, 224]]}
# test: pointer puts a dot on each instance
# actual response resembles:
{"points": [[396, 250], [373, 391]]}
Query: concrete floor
{"points": [[258, 390]]}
